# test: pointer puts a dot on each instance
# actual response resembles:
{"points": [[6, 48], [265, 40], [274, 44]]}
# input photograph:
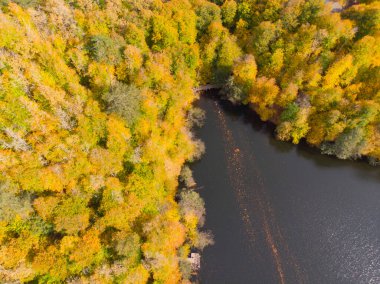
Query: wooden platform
{"points": [[195, 261], [207, 87]]}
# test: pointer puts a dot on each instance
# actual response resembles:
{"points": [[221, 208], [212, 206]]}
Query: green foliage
{"points": [[71, 216], [367, 17], [23, 3], [207, 13], [186, 269], [125, 100], [290, 113], [129, 247], [103, 49], [228, 11], [13, 204], [348, 145], [233, 92]]}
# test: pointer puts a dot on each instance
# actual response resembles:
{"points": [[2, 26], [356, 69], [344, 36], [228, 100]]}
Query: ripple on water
{"points": [[353, 255], [289, 201]]}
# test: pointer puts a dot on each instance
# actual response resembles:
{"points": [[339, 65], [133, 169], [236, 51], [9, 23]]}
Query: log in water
{"points": [[282, 213]]}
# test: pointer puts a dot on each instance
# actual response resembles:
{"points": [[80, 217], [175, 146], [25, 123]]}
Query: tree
{"points": [[207, 13], [124, 100], [348, 145], [71, 216], [103, 49], [294, 123], [13, 204], [242, 79], [219, 50], [162, 33], [133, 61], [228, 11], [244, 71], [366, 16], [263, 95], [191, 204]]}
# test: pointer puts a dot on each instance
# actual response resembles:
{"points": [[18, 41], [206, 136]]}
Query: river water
{"points": [[282, 213]]}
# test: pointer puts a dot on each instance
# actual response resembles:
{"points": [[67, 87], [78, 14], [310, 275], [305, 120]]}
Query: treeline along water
{"points": [[282, 213]]}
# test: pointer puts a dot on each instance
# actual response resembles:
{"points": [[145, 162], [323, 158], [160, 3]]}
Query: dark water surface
{"points": [[282, 213]]}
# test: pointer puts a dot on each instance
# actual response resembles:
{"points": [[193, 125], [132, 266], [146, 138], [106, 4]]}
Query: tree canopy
{"points": [[96, 115]]}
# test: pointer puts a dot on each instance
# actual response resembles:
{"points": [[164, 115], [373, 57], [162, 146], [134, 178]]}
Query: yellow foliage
{"points": [[86, 248], [67, 244], [14, 251], [138, 275], [45, 205], [245, 70], [50, 261], [335, 72]]}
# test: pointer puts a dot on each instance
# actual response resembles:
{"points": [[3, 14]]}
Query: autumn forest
{"points": [[97, 118]]}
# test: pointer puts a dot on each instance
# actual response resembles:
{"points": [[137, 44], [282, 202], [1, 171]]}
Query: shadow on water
{"points": [[247, 116], [361, 166], [309, 214]]}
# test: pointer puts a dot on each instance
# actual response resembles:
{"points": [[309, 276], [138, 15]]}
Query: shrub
{"points": [[196, 116], [233, 92], [191, 203], [187, 177], [199, 150], [185, 267], [203, 240]]}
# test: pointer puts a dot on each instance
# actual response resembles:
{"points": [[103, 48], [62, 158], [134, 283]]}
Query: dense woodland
{"points": [[311, 68], [96, 116]]}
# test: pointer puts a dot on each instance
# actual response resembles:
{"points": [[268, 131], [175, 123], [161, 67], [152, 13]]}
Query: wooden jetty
{"points": [[207, 87], [195, 261]]}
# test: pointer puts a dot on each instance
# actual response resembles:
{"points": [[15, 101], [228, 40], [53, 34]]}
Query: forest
{"points": [[96, 118]]}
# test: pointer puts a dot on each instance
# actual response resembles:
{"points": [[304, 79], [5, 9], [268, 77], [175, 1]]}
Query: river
{"points": [[282, 213]]}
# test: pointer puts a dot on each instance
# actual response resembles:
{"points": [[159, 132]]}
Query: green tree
{"points": [[228, 11], [348, 145], [103, 49], [125, 100]]}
